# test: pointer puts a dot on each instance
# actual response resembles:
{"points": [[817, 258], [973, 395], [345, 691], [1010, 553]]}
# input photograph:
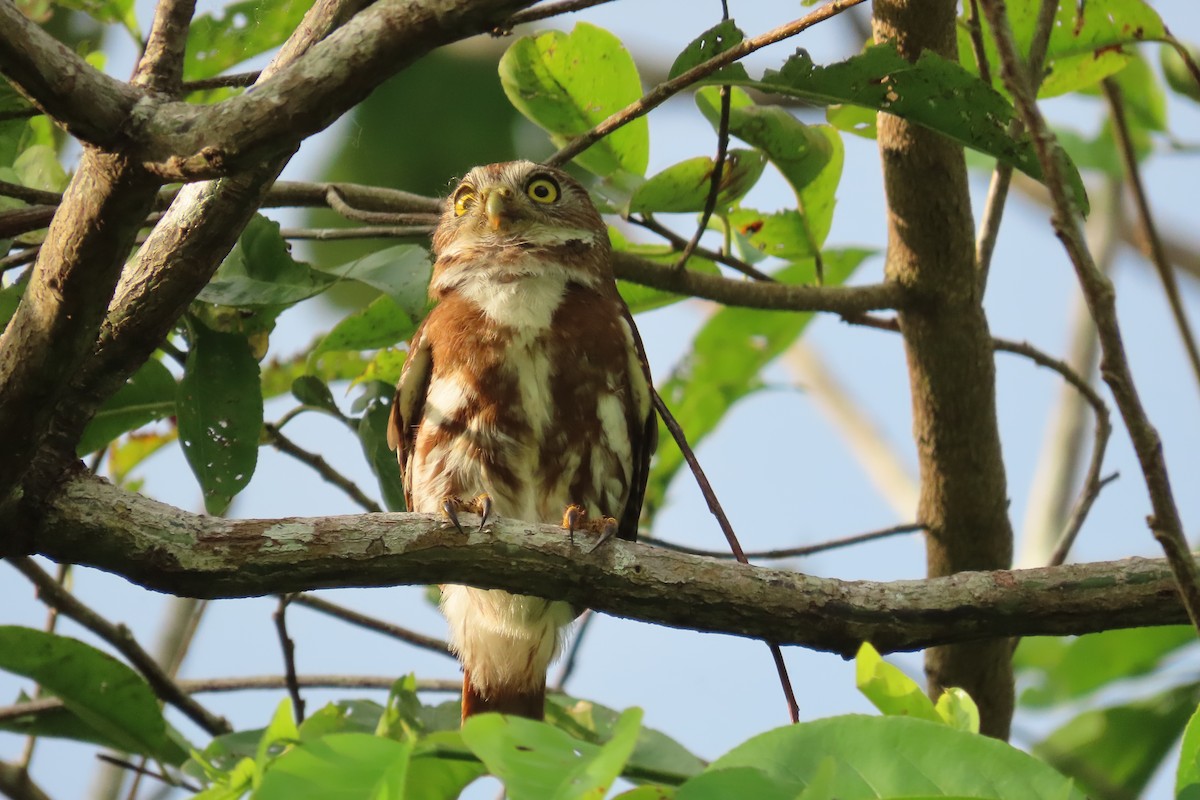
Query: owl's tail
{"points": [[523, 701]]}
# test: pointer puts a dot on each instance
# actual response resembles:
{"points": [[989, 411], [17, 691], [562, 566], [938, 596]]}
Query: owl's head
{"points": [[518, 205]]}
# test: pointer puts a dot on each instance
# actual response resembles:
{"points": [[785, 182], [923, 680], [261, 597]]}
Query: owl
{"points": [[525, 394]]}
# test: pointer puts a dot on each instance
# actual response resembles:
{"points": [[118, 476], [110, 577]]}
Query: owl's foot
{"points": [[481, 505], [575, 518]]}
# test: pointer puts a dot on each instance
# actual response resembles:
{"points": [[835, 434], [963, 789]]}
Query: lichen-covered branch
{"points": [[163, 548]]}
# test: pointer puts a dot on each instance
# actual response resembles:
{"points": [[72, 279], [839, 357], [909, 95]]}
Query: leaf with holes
{"points": [[934, 92], [1082, 51], [566, 83], [220, 413], [711, 43]]}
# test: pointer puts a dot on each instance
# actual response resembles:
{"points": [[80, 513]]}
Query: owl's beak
{"points": [[496, 206]]}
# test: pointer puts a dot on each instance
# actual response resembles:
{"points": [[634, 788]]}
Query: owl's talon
{"points": [[450, 506], [608, 529], [573, 515], [484, 504]]}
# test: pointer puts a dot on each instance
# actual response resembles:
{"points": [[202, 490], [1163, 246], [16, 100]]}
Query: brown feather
{"points": [[530, 704]]}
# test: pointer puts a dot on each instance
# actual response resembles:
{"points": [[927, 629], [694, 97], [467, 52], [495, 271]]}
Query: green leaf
{"points": [[889, 689], [1074, 58], [380, 324], [878, 757], [934, 92], [727, 356], [242, 31], [312, 391], [147, 396], [1175, 69], [684, 187], [10, 298], [433, 778], [810, 157], [644, 298], [958, 710], [38, 167], [1061, 670], [348, 766], [735, 782], [654, 752], [568, 83], [1114, 752], [260, 271], [106, 695], [107, 11], [220, 413], [1187, 774], [712, 42], [853, 119], [538, 762], [401, 272], [372, 435]]}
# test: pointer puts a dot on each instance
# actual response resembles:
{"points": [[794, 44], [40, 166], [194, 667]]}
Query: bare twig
{"points": [[794, 552], [339, 204], [749, 270], [993, 213], [1098, 290], [714, 505], [160, 69], [31, 196], [714, 181], [285, 445], [141, 769], [370, 623], [1158, 256], [289, 657], [667, 89], [378, 232], [582, 626], [119, 637], [235, 80], [544, 12]]}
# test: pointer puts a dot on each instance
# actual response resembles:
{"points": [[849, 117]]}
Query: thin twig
{"points": [[20, 258], [380, 232], [714, 181], [289, 657], [794, 552], [714, 505], [15, 783], [370, 623], [1093, 483], [544, 12], [119, 637], [667, 89], [285, 445], [749, 270], [1185, 53], [1002, 174], [1165, 522], [29, 195], [339, 204], [235, 80], [141, 769], [582, 626], [1158, 255]]}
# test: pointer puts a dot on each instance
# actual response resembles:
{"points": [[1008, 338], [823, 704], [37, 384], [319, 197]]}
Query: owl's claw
{"points": [[481, 505], [575, 518]]}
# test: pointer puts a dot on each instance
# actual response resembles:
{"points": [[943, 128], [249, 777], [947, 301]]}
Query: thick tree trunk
{"points": [[931, 253]]}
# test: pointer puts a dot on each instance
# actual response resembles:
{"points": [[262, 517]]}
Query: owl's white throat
{"points": [[516, 297]]}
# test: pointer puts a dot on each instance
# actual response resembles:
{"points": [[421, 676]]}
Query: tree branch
{"points": [[1165, 522], [160, 69], [163, 548]]}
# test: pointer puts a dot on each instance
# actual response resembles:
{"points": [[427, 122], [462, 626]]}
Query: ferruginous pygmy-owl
{"points": [[526, 395]]}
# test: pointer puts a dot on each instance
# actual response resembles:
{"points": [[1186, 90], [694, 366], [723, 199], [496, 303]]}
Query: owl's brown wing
{"points": [[643, 435], [408, 407]]}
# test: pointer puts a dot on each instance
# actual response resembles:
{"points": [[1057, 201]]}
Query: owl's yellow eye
{"points": [[542, 190], [464, 198]]}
